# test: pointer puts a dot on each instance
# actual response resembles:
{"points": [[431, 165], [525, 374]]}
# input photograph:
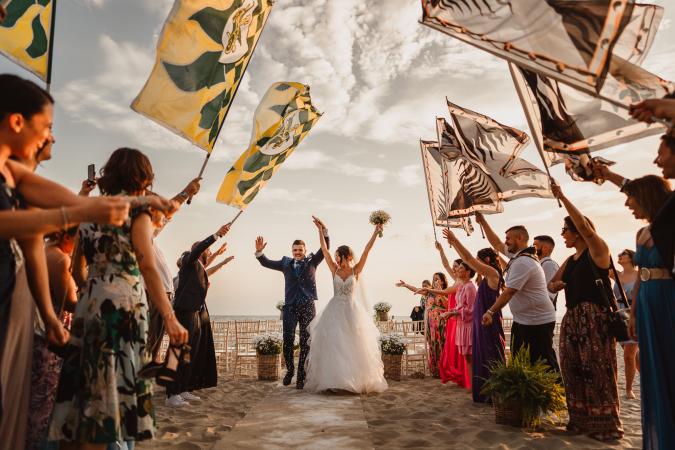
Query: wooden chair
{"points": [[275, 326], [415, 357], [221, 334], [507, 323], [398, 327], [245, 360]]}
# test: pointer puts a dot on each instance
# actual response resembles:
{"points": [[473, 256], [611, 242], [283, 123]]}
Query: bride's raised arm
{"points": [[324, 246], [362, 260]]}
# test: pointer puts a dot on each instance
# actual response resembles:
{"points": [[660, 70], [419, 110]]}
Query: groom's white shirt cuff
{"points": [[258, 254]]}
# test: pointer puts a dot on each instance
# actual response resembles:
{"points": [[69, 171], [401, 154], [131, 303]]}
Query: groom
{"points": [[299, 275]]}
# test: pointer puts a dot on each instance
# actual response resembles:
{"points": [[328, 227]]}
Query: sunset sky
{"points": [[379, 77]]}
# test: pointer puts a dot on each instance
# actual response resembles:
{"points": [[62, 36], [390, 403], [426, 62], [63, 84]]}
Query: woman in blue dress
{"points": [[653, 318]]}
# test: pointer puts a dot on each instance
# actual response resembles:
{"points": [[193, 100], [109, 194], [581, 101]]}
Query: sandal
{"points": [[176, 356], [150, 369]]}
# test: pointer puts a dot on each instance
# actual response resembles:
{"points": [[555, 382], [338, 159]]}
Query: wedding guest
{"points": [[436, 305], [452, 364], [110, 321], [191, 310], [628, 276], [465, 296], [526, 293], [46, 365], [25, 129], [159, 220], [587, 349], [653, 316], [544, 246], [487, 342]]}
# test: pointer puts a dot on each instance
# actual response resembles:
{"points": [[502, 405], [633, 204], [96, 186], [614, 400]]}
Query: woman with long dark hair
{"points": [[487, 342], [653, 316], [587, 349], [100, 398]]}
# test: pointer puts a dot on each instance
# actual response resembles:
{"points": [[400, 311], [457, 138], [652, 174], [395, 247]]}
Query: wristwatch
{"points": [[624, 182], [184, 195]]}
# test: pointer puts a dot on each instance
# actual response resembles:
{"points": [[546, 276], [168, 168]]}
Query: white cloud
{"points": [[410, 175], [315, 160]]}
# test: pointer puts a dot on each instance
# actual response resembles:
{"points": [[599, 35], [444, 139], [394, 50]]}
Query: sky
{"points": [[379, 77]]}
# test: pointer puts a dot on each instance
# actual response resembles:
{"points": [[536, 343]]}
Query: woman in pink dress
{"points": [[463, 313], [451, 365]]}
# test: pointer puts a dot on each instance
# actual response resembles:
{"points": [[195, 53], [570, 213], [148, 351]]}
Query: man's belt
{"points": [[654, 273]]}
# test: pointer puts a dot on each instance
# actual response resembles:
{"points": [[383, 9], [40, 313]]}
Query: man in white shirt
{"points": [[544, 246], [526, 293]]}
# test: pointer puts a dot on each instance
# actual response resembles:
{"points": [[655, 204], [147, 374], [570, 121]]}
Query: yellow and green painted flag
{"points": [[282, 120], [25, 35], [201, 58]]}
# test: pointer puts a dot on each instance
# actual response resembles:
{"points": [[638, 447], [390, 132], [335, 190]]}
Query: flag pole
{"points": [[201, 172], [50, 53], [236, 217], [426, 181], [482, 231]]}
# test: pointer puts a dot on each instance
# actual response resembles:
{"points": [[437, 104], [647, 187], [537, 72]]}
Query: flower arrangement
{"points": [[522, 392], [280, 305], [382, 307], [392, 344], [379, 217], [268, 343]]}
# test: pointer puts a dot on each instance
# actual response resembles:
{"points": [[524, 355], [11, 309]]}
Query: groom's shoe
{"points": [[300, 384], [288, 378]]}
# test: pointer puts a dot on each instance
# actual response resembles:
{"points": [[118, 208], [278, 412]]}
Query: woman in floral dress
{"points": [[100, 398]]}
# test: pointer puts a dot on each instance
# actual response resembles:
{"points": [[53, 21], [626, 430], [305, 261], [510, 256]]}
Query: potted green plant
{"points": [[523, 392], [268, 348], [382, 311], [392, 346]]}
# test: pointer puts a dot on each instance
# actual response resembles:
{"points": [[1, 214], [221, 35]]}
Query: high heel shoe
{"points": [[176, 355]]}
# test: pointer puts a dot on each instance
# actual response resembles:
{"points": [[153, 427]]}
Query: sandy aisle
{"points": [[411, 414]]}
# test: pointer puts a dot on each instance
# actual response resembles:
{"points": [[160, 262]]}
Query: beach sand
{"points": [[411, 414]]}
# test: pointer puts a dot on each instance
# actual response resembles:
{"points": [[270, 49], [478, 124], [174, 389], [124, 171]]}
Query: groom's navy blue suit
{"points": [[300, 294]]}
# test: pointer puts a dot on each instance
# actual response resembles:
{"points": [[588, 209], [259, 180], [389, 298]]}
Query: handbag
{"points": [[618, 318]]}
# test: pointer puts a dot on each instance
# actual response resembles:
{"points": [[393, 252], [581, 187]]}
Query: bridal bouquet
{"points": [[392, 344], [268, 343], [379, 217], [280, 305]]}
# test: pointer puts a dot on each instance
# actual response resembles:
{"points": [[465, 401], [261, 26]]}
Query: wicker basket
{"points": [[382, 316], [392, 366], [269, 367], [508, 413]]}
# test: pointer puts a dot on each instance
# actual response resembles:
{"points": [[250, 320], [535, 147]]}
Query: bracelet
{"points": [[64, 218], [183, 195], [489, 311]]}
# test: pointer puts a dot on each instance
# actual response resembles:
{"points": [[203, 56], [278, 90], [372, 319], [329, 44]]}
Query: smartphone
{"points": [[91, 174]]}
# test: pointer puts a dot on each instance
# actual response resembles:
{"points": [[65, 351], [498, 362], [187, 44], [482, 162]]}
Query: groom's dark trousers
{"points": [[293, 315]]}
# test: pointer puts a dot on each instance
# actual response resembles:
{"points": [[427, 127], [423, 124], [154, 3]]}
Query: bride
{"points": [[344, 351]]}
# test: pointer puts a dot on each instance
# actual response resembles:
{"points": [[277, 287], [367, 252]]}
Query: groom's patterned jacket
{"points": [[300, 288]]}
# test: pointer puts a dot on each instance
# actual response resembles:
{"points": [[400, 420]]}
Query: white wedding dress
{"points": [[344, 351]]}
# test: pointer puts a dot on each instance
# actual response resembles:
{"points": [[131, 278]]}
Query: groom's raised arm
{"points": [[260, 245], [319, 254]]}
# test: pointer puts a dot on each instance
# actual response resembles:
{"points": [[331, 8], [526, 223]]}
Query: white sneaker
{"points": [[176, 401], [189, 396]]}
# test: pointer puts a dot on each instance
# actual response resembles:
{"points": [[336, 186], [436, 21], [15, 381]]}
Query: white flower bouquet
{"points": [[382, 307], [280, 305], [379, 217], [268, 343], [392, 344]]}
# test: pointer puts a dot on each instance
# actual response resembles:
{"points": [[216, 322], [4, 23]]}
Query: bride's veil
{"points": [[361, 295]]}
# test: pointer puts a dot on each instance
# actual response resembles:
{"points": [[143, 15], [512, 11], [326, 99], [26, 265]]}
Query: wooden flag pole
{"points": [[236, 217], [482, 231], [201, 172], [50, 53]]}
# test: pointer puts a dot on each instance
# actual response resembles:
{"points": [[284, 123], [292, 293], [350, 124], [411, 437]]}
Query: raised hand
{"points": [[557, 191], [228, 259], [449, 235], [222, 231], [160, 203], [86, 187], [401, 283], [646, 110], [221, 249], [193, 187], [378, 228], [480, 219], [260, 244], [319, 224]]}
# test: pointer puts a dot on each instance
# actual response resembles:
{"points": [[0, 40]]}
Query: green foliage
{"points": [[534, 387]]}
